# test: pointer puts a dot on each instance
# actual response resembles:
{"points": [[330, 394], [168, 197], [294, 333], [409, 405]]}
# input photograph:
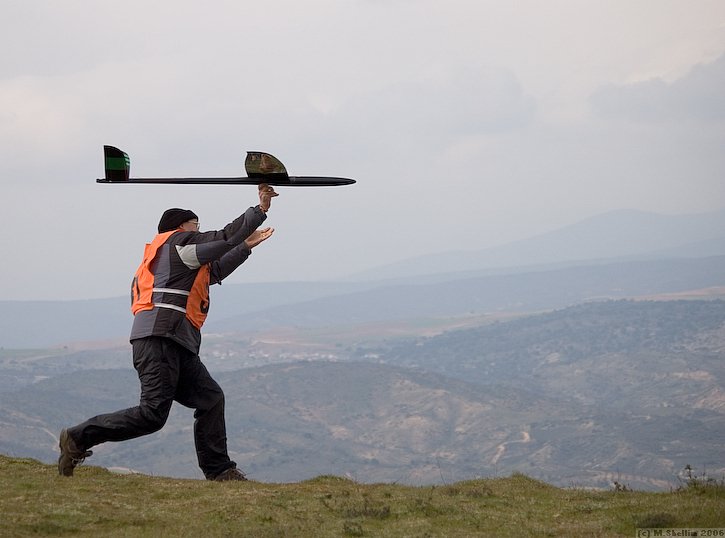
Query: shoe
{"points": [[230, 474], [70, 454]]}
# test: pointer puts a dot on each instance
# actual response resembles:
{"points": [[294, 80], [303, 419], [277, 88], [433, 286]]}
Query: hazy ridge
{"points": [[614, 255]]}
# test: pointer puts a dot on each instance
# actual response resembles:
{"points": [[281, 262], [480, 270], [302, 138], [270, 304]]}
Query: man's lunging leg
{"points": [[157, 364], [199, 391]]}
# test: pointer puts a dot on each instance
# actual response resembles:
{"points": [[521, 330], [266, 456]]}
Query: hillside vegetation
{"points": [[627, 391], [38, 502]]}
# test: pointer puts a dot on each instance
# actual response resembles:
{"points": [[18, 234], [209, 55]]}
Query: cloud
{"points": [[699, 95], [439, 107], [464, 115]]}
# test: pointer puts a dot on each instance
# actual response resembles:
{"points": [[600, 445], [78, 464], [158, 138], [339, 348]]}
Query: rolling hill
{"points": [[623, 390]]}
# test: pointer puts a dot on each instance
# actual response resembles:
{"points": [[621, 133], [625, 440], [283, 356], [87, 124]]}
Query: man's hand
{"points": [[258, 236], [266, 193]]}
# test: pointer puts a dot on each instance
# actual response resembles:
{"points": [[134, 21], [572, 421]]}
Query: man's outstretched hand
{"points": [[266, 193], [258, 236]]}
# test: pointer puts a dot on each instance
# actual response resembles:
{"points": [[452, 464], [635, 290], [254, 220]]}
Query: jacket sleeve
{"points": [[240, 228], [227, 264], [197, 249]]}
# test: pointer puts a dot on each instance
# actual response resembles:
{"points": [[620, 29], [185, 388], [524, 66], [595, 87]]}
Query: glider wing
{"points": [[260, 167]]}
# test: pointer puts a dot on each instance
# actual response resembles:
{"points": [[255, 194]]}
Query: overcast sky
{"points": [[467, 124]]}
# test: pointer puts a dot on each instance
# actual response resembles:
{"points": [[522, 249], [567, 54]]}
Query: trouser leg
{"points": [[158, 366], [198, 390]]}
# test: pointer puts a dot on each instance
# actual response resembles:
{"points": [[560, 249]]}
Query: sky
{"points": [[467, 124]]}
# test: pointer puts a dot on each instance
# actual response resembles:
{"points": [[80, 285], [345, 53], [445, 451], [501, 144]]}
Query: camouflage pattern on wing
{"points": [[259, 164]]}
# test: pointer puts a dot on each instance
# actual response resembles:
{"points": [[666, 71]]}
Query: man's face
{"points": [[190, 225]]}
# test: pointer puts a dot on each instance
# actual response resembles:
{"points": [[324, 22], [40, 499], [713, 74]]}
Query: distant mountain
{"points": [[247, 307], [622, 234], [627, 391], [613, 255], [516, 292], [37, 324]]}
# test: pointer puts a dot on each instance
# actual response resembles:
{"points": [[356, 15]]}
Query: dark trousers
{"points": [[168, 372]]}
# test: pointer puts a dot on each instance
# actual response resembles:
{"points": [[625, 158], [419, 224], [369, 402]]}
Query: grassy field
{"points": [[35, 501]]}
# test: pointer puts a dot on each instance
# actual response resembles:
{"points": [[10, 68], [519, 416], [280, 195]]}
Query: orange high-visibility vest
{"points": [[197, 306], [143, 287]]}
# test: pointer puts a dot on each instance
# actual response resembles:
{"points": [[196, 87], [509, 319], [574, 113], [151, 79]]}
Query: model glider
{"points": [[260, 167]]}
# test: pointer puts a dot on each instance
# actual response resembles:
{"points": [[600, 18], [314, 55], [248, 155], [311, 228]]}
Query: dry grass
{"points": [[37, 502]]}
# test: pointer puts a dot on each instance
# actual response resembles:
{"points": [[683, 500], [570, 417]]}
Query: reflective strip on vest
{"points": [[171, 307], [170, 290]]}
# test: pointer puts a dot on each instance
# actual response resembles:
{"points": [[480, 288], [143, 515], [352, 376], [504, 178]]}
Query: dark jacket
{"points": [[186, 261]]}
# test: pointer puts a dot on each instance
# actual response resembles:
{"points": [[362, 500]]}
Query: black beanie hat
{"points": [[175, 217]]}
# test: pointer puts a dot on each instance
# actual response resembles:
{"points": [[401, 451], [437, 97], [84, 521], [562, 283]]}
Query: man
{"points": [[170, 300]]}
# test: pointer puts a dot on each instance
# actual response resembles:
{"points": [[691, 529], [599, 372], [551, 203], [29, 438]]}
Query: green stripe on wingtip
{"points": [[117, 163]]}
